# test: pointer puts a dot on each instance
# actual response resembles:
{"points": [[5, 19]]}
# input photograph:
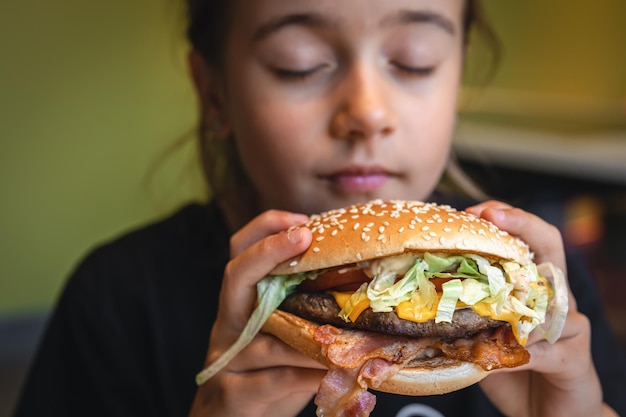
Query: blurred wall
{"points": [[563, 65], [92, 97], [574, 48]]}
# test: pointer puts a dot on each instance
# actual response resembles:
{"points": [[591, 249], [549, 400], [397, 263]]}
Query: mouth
{"points": [[359, 178]]}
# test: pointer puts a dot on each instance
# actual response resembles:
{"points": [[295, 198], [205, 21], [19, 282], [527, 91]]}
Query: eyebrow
{"points": [[304, 19], [318, 20], [421, 16]]}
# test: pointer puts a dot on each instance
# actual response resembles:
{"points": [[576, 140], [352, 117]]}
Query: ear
{"points": [[210, 95]]}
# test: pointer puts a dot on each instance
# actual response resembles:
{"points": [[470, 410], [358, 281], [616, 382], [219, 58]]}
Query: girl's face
{"points": [[332, 102]]}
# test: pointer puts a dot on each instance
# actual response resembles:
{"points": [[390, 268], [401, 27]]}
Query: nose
{"points": [[364, 110]]}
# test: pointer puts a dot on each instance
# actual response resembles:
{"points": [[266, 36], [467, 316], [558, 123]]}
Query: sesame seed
{"points": [[356, 226], [320, 238], [425, 228], [381, 237], [293, 263], [316, 249]]}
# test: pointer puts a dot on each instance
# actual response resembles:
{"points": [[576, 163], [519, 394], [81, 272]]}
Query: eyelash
{"points": [[416, 71], [295, 75], [301, 75]]}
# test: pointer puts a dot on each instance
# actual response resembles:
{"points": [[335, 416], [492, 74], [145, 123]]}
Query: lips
{"points": [[360, 178]]}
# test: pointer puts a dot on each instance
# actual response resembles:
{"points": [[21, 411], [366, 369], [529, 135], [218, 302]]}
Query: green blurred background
{"points": [[97, 115], [96, 111]]}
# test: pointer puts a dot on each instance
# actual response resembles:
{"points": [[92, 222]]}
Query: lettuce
{"points": [[271, 290], [449, 297]]}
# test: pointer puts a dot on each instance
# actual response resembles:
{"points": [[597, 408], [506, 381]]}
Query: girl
{"points": [[306, 105]]}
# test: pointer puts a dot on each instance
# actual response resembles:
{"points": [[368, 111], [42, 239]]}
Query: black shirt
{"points": [[132, 326]]}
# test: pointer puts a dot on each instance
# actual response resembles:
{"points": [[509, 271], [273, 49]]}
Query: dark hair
{"points": [[208, 24]]}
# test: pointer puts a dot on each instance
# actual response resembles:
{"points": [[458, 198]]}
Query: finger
{"points": [[267, 223], [267, 389], [242, 273], [548, 358], [477, 209], [543, 238], [267, 351], [557, 358]]}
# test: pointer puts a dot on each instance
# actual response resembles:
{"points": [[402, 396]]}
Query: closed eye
{"points": [[296, 75], [411, 70]]}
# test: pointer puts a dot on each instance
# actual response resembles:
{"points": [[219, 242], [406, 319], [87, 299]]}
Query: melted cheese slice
{"points": [[409, 311]]}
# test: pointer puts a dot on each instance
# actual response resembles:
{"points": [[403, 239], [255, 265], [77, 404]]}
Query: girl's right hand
{"points": [[268, 378]]}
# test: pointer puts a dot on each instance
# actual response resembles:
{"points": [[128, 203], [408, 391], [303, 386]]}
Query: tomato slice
{"points": [[342, 279], [438, 282], [348, 279]]}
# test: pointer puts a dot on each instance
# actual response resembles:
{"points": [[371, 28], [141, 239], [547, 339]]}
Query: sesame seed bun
{"points": [[384, 228]]}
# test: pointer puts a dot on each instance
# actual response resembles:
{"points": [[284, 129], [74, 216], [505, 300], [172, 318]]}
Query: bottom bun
{"points": [[422, 377]]}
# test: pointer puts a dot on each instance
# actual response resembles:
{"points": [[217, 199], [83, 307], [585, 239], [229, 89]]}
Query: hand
{"points": [[560, 379], [268, 378]]}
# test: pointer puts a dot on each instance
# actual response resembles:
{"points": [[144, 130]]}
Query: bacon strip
{"points": [[491, 349], [360, 360], [343, 393]]}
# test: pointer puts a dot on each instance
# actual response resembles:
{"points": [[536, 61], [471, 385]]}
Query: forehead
{"points": [[250, 16]]}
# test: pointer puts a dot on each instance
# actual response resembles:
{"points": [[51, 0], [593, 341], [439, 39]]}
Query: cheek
{"points": [[275, 140], [432, 121], [267, 133]]}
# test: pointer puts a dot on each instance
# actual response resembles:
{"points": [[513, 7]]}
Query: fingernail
{"points": [[298, 218], [295, 235]]}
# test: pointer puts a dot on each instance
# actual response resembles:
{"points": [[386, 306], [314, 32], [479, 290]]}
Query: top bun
{"points": [[383, 228]]}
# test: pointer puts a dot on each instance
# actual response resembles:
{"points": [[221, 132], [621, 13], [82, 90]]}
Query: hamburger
{"points": [[407, 297]]}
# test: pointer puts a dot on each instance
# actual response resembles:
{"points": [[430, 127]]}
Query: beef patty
{"points": [[323, 309]]}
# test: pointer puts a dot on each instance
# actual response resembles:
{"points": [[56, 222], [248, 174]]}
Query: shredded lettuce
{"points": [[507, 287], [560, 301], [426, 294], [474, 291], [357, 297], [385, 293], [449, 297], [271, 290]]}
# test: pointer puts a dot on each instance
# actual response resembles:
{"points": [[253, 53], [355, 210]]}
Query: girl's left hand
{"points": [[560, 379]]}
